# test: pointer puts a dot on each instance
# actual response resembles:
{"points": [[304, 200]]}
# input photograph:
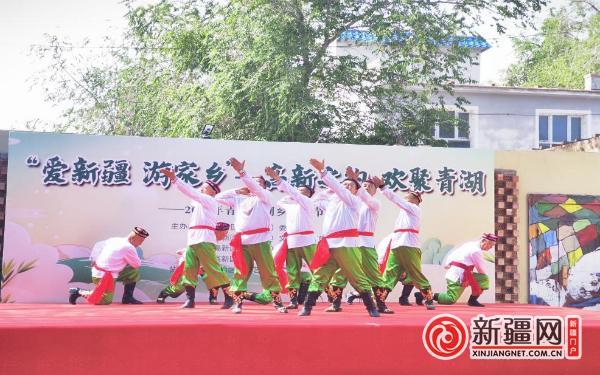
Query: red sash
{"points": [[238, 256], [322, 254], [281, 256], [106, 284], [383, 263], [366, 234], [468, 278], [179, 270]]}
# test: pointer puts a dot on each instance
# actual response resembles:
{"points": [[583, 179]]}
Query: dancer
{"points": [[460, 264], [252, 241], [299, 242], [404, 243], [367, 221], [338, 246], [114, 259], [201, 250], [177, 286]]}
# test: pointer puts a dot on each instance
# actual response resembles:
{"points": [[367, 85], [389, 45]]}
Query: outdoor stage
{"points": [[160, 339]]}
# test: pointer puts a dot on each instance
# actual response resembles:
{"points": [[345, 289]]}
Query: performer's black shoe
{"points": [[380, 296], [403, 300], [293, 293], [212, 296], [162, 296], [237, 302], [419, 298], [228, 301], [128, 295], [369, 304], [190, 303], [429, 305], [351, 297], [73, 295], [249, 296], [302, 291], [436, 296], [277, 303], [311, 300], [473, 302], [336, 302]]}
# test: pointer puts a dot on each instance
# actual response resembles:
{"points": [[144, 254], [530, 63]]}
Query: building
{"points": [[504, 118]]}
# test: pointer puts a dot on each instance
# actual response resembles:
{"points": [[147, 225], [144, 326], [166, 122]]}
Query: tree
{"points": [[263, 70], [567, 48]]}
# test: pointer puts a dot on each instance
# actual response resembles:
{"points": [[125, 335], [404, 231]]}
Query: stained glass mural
{"points": [[564, 250]]}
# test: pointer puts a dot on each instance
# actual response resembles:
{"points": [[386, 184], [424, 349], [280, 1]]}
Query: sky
{"points": [[24, 23]]}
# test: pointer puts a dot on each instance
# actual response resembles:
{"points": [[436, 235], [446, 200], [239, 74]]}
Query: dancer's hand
{"points": [[237, 165], [318, 165], [378, 181], [352, 173], [169, 173], [273, 174]]}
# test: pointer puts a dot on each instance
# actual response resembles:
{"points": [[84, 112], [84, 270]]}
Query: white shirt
{"points": [[204, 212], [251, 211], [469, 254], [367, 217], [409, 217], [299, 215], [113, 255], [341, 211]]}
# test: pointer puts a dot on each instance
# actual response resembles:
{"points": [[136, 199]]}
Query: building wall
{"points": [[551, 173]]}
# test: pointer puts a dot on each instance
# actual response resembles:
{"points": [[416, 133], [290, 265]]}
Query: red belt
{"points": [[281, 256], [180, 268], [322, 254], [238, 256], [366, 234], [383, 263], [468, 278], [106, 284]]}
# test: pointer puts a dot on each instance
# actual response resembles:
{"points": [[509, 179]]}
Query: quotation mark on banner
{"points": [[445, 336]]}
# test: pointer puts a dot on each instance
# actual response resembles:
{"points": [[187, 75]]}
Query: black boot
{"points": [[302, 291], [311, 300], [368, 301], [329, 293], [212, 296], [128, 295], [293, 299], [162, 296], [336, 299], [436, 296], [228, 302], [73, 295], [190, 292], [351, 297], [277, 303], [419, 298], [473, 302], [380, 296], [237, 302], [428, 297], [403, 300]]}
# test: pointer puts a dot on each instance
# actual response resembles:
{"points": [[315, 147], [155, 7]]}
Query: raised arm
{"points": [[227, 197], [368, 199], [193, 194], [344, 194], [321, 199], [255, 188], [294, 194], [399, 201]]}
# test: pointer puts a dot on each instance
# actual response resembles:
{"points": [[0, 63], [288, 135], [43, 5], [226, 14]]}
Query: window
{"points": [[456, 136], [557, 129]]}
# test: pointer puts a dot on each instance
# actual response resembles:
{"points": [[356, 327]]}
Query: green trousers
{"points": [[261, 254], [293, 264], [455, 290], [370, 266], [127, 276], [393, 274], [203, 254], [348, 260], [409, 260]]}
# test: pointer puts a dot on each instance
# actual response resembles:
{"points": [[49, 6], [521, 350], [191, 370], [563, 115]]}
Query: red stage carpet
{"points": [[162, 339]]}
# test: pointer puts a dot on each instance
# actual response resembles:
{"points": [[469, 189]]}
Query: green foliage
{"points": [[10, 270], [567, 49], [264, 70]]}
